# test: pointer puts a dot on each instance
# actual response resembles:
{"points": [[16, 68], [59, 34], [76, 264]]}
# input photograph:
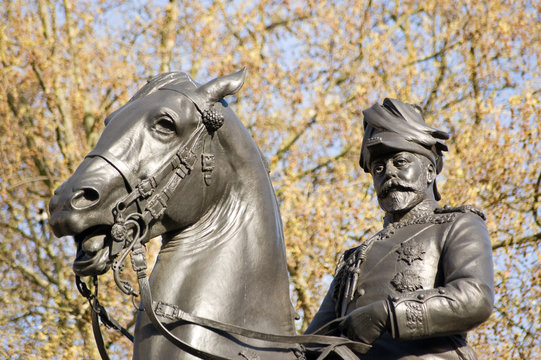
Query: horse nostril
{"points": [[85, 198]]}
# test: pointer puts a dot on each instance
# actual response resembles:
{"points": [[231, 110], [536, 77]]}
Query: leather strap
{"points": [[345, 352], [128, 175], [175, 313], [98, 311], [335, 343], [97, 334]]}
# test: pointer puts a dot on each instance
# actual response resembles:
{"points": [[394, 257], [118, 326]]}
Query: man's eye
{"points": [[400, 162], [378, 169]]}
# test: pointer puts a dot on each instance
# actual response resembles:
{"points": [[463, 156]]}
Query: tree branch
{"points": [[292, 139], [64, 128], [45, 23], [26, 272], [474, 78], [167, 35], [325, 162], [303, 296], [285, 22], [535, 200], [520, 241], [26, 120]]}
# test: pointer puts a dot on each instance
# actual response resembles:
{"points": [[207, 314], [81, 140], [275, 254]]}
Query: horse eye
{"points": [[164, 125]]}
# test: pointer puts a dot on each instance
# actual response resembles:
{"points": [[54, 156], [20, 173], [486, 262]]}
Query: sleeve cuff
{"points": [[409, 315]]}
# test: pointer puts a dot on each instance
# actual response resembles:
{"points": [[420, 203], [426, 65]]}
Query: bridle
{"points": [[130, 232], [152, 194]]}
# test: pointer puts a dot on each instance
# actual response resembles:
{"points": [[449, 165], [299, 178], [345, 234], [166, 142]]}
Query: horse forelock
{"points": [[180, 79]]}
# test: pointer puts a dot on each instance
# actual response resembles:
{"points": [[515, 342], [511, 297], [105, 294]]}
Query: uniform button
{"points": [[395, 298], [361, 292], [420, 296], [441, 291]]}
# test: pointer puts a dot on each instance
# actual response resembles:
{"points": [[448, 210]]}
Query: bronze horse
{"points": [[165, 165]]}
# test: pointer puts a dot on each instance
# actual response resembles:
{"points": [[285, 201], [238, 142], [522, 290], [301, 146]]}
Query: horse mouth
{"points": [[92, 252]]}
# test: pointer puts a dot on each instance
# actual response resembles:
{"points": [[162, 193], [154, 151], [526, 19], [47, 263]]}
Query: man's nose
{"points": [[390, 170]]}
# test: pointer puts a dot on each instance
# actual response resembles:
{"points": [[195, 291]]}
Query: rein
{"points": [[99, 312], [130, 232]]}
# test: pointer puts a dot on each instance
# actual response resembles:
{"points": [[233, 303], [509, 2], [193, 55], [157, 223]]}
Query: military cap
{"points": [[397, 126]]}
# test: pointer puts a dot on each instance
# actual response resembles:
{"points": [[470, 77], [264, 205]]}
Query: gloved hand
{"points": [[366, 323]]}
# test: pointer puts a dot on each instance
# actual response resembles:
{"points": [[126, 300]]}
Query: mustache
{"points": [[394, 185]]}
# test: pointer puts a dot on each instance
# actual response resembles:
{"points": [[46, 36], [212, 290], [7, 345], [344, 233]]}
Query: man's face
{"points": [[401, 180]]}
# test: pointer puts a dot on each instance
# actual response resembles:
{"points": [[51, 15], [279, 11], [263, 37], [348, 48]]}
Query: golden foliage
{"points": [[312, 66]]}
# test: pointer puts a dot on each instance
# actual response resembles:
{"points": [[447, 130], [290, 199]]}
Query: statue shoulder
{"points": [[447, 209], [344, 259]]}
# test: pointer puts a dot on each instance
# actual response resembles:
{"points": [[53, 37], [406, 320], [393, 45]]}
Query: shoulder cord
{"points": [[349, 275]]}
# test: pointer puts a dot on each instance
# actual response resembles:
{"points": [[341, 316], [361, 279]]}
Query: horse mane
{"points": [[157, 82]]}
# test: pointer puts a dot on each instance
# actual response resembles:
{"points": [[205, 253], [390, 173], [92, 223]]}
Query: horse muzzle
{"points": [[82, 207]]}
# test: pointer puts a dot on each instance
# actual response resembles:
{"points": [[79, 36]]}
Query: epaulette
{"points": [[463, 209], [342, 260]]}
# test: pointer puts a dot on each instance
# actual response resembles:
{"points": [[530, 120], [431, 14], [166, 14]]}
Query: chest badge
{"points": [[410, 252], [407, 281]]}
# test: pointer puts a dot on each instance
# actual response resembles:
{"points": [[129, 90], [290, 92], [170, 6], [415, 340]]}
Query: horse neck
{"points": [[230, 265]]}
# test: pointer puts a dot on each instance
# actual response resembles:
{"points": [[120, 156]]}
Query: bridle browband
{"points": [[130, 232]]}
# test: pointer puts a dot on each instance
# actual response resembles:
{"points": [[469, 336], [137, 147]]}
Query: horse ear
{"points": [[215, 90]]}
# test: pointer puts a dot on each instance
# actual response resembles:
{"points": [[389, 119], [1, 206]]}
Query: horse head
{"points": [[146, 159], [176, 161]]}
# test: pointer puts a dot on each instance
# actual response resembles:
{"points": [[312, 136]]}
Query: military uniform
{"points": [[434, 271]]}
